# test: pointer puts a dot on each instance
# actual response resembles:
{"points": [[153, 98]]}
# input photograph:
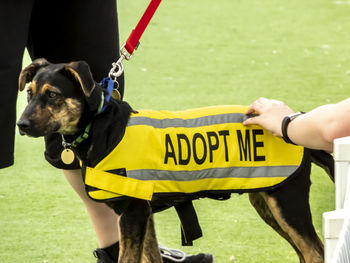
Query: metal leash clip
{"points": [[117, 67]]}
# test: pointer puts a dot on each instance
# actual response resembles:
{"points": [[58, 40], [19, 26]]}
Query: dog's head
{"points": [[58, 96]]}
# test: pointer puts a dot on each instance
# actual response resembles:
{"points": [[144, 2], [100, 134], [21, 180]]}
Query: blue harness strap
{"points": [[110, 85]]}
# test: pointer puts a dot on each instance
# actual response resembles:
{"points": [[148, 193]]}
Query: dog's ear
{"points": [[81, 72], [29, 72]]}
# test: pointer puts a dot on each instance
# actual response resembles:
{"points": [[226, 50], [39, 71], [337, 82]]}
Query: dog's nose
{"points": [[23, 125]]}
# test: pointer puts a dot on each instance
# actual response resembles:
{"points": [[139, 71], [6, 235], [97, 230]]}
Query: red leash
{"points": [[132, 43], [133, 40]]}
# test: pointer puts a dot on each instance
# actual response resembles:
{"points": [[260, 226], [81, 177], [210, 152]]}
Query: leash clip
{"points": [[124, 53], [117, 67]]}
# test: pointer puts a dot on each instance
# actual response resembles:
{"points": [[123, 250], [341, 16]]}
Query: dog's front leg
{"points": [[132, 225], [151, 253]]}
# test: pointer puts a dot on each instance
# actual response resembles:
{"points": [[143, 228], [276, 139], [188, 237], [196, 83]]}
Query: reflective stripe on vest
{"points": [[206, 149]]}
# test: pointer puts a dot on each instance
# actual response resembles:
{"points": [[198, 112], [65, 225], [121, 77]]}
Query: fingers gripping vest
{"points": [[205, 150]]}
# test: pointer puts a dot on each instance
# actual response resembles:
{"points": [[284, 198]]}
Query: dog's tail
{"points": [[324, 160]]}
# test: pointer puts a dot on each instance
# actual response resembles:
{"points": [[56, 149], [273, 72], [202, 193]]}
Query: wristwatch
{"points": [[285, 123]]}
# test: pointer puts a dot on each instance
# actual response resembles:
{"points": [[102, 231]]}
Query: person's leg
{"points": [[14, 23], [103, 218], [70, 30]]}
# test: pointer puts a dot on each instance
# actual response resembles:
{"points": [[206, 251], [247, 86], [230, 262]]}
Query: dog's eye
{"points": [[29, 94], [52, 94]]}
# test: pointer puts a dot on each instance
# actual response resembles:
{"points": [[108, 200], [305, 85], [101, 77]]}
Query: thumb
{"points": [[251, 120]]}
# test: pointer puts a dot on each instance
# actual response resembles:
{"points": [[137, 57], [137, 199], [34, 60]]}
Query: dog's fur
{"points": [[64, 98]]}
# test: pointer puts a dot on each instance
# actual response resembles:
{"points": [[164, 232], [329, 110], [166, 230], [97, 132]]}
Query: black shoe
{"points": [[170, 255], [103, 257], [107, 254]]}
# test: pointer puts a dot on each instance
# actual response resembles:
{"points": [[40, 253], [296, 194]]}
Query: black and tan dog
{"points": [[64, 98]]}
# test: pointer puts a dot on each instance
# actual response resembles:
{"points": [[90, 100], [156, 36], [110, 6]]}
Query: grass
{"points": [[194, 53]]}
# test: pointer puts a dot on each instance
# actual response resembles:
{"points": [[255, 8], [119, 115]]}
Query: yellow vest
{"points": [[199, 150]]}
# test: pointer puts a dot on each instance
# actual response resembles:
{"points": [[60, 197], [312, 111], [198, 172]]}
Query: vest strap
{"points": [[118, 184], [190, 228]]}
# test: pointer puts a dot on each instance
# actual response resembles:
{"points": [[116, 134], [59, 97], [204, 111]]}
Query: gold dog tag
{"points": [[67, 156], [116, 94]]}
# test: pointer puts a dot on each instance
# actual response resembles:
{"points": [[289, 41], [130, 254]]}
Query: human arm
{"points": [[316, 129]]}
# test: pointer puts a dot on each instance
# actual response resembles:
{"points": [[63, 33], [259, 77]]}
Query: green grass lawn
{"points": [[194, 53]]}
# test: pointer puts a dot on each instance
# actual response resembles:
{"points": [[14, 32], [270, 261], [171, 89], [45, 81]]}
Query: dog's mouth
{"points": [[29, 134], [21, 132]]}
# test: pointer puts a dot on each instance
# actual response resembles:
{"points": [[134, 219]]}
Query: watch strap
{"points": [[285, 123]]}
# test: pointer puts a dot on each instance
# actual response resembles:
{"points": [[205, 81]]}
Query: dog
{"points": [[65, 99]]}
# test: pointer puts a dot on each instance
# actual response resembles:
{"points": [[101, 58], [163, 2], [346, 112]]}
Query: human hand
{"points": [[270, 114]]}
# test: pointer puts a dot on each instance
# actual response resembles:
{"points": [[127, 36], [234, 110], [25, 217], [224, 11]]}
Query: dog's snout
{"points": [[23, 125]]}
